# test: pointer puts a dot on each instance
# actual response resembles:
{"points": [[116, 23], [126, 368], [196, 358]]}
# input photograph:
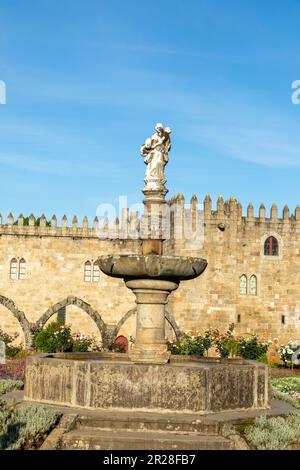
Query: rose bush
{"points": [[290, 354], [226, 344], [57, 337]]}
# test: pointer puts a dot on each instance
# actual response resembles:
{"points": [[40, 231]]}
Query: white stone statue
{"points": [[155, 153]]}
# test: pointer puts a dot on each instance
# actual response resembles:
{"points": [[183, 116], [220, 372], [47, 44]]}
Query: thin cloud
{"points": [[54, 166], [263, 146]]}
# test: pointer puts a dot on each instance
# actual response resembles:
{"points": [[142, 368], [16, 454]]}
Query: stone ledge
{"points": [[109, 384]]}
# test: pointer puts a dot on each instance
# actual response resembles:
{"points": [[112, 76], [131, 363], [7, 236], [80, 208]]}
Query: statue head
{"points": [[159, 128]]}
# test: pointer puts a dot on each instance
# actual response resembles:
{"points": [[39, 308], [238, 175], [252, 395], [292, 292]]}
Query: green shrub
{"points": [[285, 397], [264, 359], [56, 337], [117, 348], [252, 348], [290, 354], [191, 346], [22, 354], [25, 427], [289, 385], [11, 350], [7, 385], [274, 433], [226, 344]]}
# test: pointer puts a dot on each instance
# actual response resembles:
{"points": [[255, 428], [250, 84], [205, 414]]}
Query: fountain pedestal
{"points": [[150, 345]]}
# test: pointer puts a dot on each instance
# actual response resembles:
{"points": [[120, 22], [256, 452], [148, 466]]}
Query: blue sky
{"points": [[87, 80]]}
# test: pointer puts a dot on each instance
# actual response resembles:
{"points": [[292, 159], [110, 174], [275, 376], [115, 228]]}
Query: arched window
{"points": [[22, 269], [87, 271], [243, 285], [14, 268], [91, 272], [253, 285], [96, 272], [271, 247]]}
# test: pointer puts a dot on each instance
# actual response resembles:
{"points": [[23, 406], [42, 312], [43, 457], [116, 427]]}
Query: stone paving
{"points": [[118, 430]]}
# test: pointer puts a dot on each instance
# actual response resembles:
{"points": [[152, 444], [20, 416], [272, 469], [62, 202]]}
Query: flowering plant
{"points": [[57, 337], [289, 385], [290, 354], [13, 369], [226, 344], [191, 345], [83, 343], [252, 348]]}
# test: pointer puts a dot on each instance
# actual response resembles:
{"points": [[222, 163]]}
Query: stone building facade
{"points": [[252, 278]]}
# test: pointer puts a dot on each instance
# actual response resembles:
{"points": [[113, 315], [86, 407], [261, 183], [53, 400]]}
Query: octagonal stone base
{"points": [[189, 386]]}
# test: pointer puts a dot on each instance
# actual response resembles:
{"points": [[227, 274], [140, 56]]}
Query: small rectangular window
{"points": [[283, 319], [239, 318]]}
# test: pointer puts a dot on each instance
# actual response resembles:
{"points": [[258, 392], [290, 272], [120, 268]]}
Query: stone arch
{"points": [[124, 319], [21, 317], [71, 300], [168, 316]]}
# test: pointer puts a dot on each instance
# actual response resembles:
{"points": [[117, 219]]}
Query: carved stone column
{"points": [[150, 345]]}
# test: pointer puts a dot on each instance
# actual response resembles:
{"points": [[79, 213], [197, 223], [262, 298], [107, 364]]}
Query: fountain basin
{"points": [[173, 268], [100, 382]]}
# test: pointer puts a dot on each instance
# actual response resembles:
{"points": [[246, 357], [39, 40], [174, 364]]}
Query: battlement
{"points": [[231, 210], [41, 227], [129, 226], [180, 221]]}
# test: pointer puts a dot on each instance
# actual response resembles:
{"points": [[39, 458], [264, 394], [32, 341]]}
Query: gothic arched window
{"points": [[18, 269], [14, 268], [243, 285], [253, 285], [91, 272], [271, 247], [22, 269], [87, 271], [96, 272]]}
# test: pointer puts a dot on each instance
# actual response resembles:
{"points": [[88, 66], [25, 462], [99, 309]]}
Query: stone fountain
{"points": [[152, 276], [148, 379]]}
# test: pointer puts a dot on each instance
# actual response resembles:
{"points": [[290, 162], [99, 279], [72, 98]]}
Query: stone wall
{"points": [[55, 279], [232, 244]]}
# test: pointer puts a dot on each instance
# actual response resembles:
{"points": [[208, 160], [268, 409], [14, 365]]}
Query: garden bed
{"points": [[13, 369], [278, 372], [23, 427], [277, 433]]}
